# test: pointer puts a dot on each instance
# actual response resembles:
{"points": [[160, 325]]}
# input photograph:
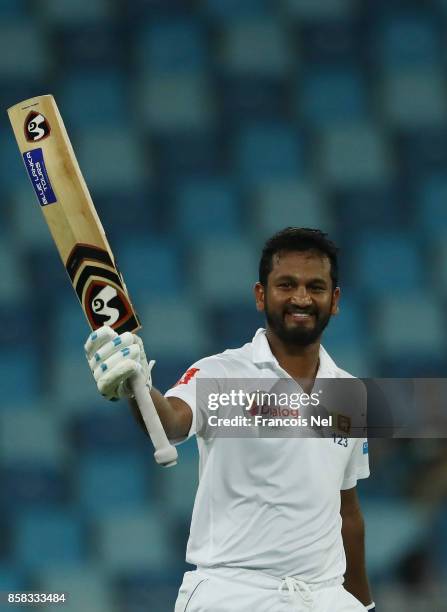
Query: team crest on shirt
{"points": [[342, 423]]}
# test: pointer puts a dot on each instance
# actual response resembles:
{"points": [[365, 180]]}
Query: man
{"points": [[276, 522]]}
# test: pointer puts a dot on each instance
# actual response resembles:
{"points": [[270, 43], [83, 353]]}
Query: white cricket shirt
{"points": [[271, 504]]}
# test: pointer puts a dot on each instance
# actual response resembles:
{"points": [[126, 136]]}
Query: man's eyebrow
{"points": [[316, 279]]}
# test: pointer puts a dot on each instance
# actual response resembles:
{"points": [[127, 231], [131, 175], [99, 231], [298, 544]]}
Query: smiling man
{"points": [[276, 525]]}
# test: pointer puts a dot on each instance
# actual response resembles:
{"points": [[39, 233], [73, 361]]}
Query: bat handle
{"points": [[165, 454]]}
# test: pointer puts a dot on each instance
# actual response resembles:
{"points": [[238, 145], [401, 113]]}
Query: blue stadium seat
{"points": [[176, 103], [439, 273], [12, 9], [111, 158], [106, 432], [13, 578], [20, 374], [256, 47], [357, 360], [225, 270], [117, 482], [234, 324], [31, 436], [412, 365], [67, 368], [33, 60], [186, 154], [154, 590], [410, 38], [386, 262], [207, 207], [330, 41], [269, 151], [376, 206], [349, 327], [317, 10], [135, 540], [423, 92], [49, 538], [175, 327], [32, 484], [179, 487], [354, 155], [105, 106], [422, 150], [408, 324], [332, 94], [168, 371], [69, 13], [251, 97], [281, 203], [88, 587], [78, 54], [172, 46], [431, 212], [232, 10], [153, 268]]}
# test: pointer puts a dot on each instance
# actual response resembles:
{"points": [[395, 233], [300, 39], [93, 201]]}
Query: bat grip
{"points": [[165, 454]]}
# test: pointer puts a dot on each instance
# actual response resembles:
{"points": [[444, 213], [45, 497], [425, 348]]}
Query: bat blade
{"points": [[68, 208]]}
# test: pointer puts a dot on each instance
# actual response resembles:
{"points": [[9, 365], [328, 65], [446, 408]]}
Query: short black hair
{"points": [[298, 239]]}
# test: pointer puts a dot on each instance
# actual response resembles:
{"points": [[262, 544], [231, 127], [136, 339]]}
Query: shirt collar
{"points": [[262, 354]]}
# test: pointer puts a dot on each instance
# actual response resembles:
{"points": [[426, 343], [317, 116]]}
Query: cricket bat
{"points": [[80, 238]]}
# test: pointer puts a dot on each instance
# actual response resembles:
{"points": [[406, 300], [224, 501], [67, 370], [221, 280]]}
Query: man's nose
{"points": [[301, 297]]}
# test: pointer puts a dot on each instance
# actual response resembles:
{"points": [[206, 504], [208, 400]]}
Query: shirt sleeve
{"points": [[358, 464], [194, 387]]}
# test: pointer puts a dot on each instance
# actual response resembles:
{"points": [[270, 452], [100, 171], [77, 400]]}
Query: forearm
{"points": [[356, 580], [174, 422]]}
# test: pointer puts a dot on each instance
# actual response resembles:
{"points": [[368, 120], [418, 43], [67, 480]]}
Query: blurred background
{"points": [[202, 127]]}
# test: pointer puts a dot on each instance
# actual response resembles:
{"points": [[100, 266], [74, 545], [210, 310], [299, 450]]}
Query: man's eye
{"points": [[318, 288], [285, 285]]}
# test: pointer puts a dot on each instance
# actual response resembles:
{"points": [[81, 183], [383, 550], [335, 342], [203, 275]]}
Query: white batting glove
{"points": [[114, 359]]}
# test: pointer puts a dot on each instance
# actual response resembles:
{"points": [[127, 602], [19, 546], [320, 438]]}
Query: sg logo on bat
{"points": [[36, 127]]}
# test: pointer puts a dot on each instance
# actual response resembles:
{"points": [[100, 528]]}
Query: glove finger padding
{"points": [[110, 348], [111, 384], [97, 339], [123, 354]]}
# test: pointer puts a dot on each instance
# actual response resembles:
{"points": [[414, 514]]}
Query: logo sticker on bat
{"points": [[100, 289], [36, 127]]}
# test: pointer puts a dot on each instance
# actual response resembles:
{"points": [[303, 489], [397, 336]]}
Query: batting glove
{"points": [[114, 359]]}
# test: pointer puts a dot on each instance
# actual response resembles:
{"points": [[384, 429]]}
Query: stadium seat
{"points": [[35, 436], [332, 41], [387, 262], [348, 327], [234, 324], [73, 42], [70, 13], [106, 431], [423, 92], [184, 154], [171, 46], [175, 327], [255, 47], [225, 270], [88, 587], [232, 10], [12, 9], [353, 155], [49, 539], [134, 540], [170, 103], [376, 206], [110, 158], [422, 151], [208, 207], [317, 10], [289, 202], [331, 94], [268, 151], [113, 483], [251, 97], [408, 324], [20, 375], [431, 212], [106, 86], [33, 60], [179, 487], [407, 39], [28, 482]]}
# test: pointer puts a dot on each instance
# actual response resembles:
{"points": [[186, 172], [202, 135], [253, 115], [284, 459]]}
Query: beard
{"points": [[297, 335]]}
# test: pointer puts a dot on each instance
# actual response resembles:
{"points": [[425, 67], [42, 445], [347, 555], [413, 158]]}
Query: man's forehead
{"points": [[298, 261]]}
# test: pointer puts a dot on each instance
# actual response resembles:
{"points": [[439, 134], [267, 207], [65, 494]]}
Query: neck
{"points": [[301, 362]]}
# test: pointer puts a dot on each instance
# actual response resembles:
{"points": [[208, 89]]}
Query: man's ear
{"points": [[259, 296], [335, 301]]}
